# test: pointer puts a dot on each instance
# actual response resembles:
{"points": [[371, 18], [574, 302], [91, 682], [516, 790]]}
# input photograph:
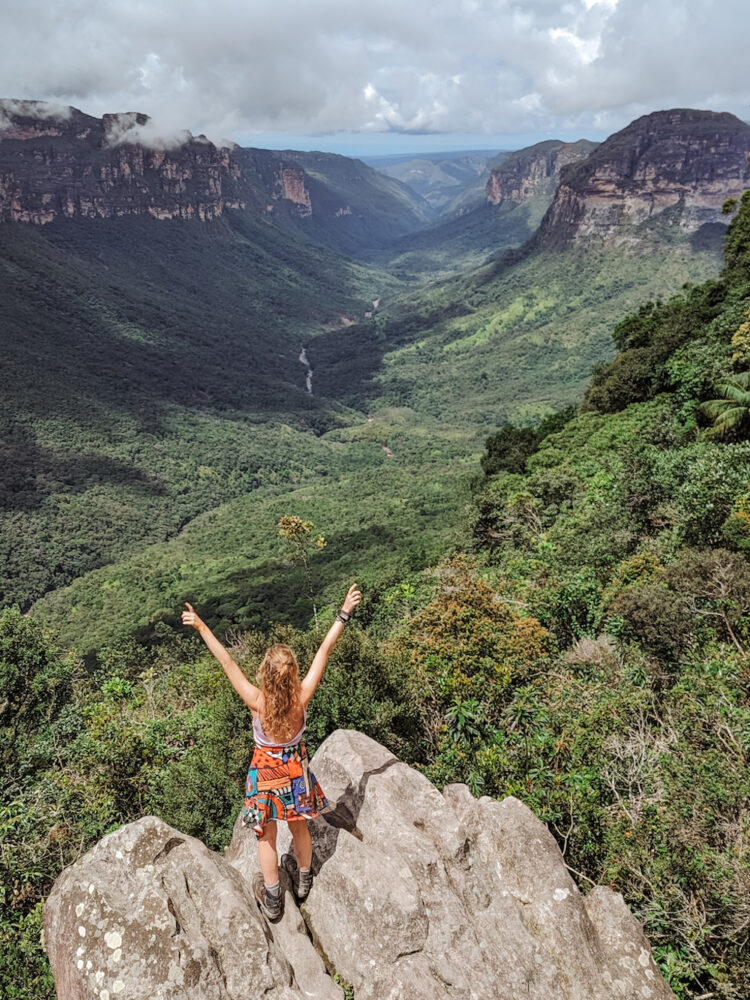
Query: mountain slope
{"points": [[353, 207], [151, 370], [683, 163], [61, 163], [636, 219], [503, 213], [444, 181]]}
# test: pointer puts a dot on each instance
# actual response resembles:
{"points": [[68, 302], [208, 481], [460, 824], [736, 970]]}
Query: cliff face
{"points": [[58, 163], [534, 170], [76, 166], [291, 185], [688, 162], [417, 895]]}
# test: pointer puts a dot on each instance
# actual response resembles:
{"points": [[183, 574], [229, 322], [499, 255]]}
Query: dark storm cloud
{"points": [[315, 66]]}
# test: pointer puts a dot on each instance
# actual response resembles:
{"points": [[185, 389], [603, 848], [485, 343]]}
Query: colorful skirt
{"points": [[280, 785]]}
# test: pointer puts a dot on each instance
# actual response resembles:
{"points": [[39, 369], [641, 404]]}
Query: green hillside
{"points": [[582, 644], [456, 245], [514, 339], [381, 516], [427, 378], [151, 372]]}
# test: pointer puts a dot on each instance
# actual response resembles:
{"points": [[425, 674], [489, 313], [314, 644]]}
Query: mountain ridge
{"points": [[62, 163], [684, 160], [534, 170]]}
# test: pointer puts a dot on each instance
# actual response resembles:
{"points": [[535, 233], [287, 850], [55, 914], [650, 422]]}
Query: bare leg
{"points": [[269, 861], [302, 842]]}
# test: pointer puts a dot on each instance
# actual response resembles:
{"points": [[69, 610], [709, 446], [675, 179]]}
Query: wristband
{"points": [[343, 616]]}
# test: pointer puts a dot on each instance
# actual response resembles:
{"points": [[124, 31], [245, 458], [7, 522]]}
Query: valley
{"points": [[168, 414], [501, 417]]}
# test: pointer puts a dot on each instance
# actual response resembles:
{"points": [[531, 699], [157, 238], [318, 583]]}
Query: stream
{"points": [[303, 353], [308, 377]]}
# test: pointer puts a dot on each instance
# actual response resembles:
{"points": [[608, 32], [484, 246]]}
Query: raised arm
{"points": [[247, 691], [318, 665]]}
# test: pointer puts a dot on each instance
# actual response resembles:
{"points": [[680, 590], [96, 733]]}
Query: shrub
{"points": [[468, 643], [656, 619]]}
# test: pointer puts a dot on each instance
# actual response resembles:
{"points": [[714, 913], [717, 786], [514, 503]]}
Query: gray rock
{"points": [[417, 895], [630, 958], [151, 914], [500, 915], [290, 932]]}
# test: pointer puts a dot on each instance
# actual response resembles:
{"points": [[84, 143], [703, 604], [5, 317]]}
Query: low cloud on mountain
{"points": [[433, 66]]}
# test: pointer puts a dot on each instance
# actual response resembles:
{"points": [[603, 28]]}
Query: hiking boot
{"points": [[301, 881], [271, 904]]}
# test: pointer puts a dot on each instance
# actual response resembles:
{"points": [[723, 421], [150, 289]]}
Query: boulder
{"points": [[151, 914], [426, 895], [418, 895]]}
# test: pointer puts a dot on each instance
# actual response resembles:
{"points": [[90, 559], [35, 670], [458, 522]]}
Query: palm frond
{"points": [[732, 417], [734, 391], [734, 409], [714, 408]]}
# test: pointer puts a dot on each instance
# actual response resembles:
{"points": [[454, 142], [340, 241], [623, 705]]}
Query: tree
{"points": [[733, 411], [35, 684], [468, 646], [301, 543]]}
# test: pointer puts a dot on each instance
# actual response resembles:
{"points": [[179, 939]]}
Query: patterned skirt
{"points": [[280, 785]]}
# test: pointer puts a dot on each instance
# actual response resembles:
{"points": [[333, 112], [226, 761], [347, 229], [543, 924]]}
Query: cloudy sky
{"points": [[370, 76]]}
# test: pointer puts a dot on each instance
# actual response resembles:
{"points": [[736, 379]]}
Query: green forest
{"points": [[533, 459], [580, 642]]}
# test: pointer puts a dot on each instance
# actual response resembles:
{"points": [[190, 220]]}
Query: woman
{"points": [[280, 784]]}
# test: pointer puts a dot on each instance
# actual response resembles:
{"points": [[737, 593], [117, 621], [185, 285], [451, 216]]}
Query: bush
{"points": [[656, 619]]}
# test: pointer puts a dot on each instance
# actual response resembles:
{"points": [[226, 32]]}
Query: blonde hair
{"points": [[279, 677]]}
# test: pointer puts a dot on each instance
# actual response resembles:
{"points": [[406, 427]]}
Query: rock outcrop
{"points": [[57, 163], [418, 895], [77, 166], [291, 185], [674, 166], [534, 171]]}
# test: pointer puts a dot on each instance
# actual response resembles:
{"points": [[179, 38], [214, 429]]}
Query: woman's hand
{"points": [[189, 617], [352, 599]]}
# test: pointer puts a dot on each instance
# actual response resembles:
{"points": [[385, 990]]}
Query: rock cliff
{"points": [[291, 185], [676, 167], [74, 166], [418, 896], [534, 171], [58, 163]]}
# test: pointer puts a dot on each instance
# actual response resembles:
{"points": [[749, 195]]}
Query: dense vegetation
{"points": [[452, 246], [581, 639], [513, 340], [150, 373], [587, 652]]}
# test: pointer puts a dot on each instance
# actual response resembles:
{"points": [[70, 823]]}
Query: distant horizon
{"points": [[352, 143], [387, 144], [373, 144]]}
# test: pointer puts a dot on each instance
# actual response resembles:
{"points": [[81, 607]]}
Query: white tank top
{"points": [[263, 741]]}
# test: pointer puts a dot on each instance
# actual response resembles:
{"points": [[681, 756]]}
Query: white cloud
{"points": [[233, 67]]}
